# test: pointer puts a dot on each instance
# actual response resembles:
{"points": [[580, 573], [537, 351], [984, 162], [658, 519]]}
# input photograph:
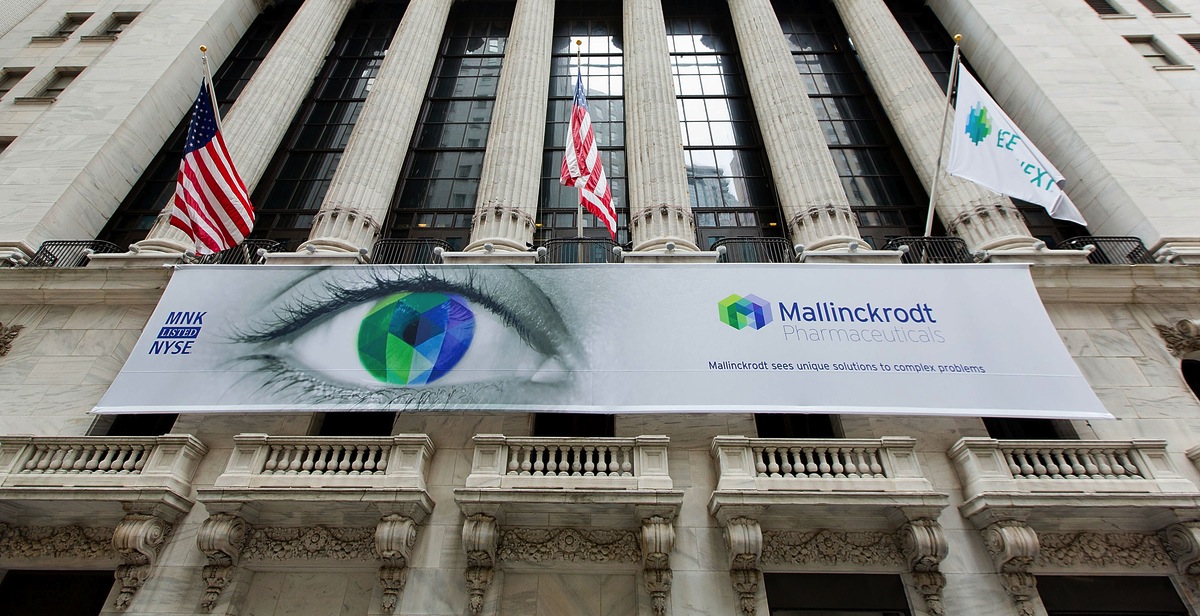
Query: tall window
{"points": [[290, 193], [728, 178], [884, 192], [154, 189], [436, 194], [598, 25]]}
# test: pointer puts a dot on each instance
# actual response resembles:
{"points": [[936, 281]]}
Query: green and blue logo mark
{"points": [[415, 338], [741, 312], [979, 125]]}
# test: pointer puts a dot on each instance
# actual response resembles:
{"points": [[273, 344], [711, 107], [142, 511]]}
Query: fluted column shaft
{"points": [[508, 185], [915, 104], [255, 126], [659, 208], [814, 203], [361, 189]]}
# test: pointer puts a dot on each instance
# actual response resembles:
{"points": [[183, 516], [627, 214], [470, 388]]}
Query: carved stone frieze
{"points": [[744, 538], [479, 542], [138, 538], [395, 537], [569, 544], [8, 333], [831, 547], [57, 542], [1014, 547], [310, 543], [658, 539], [1129, 550], [924, 546], [221, 538], [1182, 338]]}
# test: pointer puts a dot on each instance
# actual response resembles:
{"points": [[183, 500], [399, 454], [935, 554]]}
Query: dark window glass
{"points": [[62, 78], [54, 593], [794, 425], [145, 201], [1025, 429], [150, 424], [1155, 6], [435, 197], [356, 424], [882, 187], [1191, 375], [821, 594], [294, 185], [729, 179], [573, 424], [1103, 7], [71, 23], [9, 78], [1079, 595], [598, 25]]}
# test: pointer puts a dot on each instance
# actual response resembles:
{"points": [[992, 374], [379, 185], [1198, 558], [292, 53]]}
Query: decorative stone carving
{"points": [[57, 542], [830, 547], [222, 538], [479, 542], [568, 544], [1182, 339], [8, 333], [1129, 550], [138, 539], [395, 537], [1014, 547], [658, 539], [924, 546], [744, 538], [310, 543], [1182, 542]]}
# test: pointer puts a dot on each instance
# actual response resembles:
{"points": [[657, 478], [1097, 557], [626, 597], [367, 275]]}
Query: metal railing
{"points": [[1110, 249], [581, 250], [931, 249], [754, 250], [407, 251], [249, 252], [69, 253]]}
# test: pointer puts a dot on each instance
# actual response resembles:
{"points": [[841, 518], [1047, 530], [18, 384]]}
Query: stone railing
{"points": [[261, 461], [35, 461], [889, 463], [546, 462], [1132, 466]]}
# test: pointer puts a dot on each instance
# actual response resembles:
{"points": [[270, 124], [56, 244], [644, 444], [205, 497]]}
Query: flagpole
{"points": [[937, 171], [579, 219]]}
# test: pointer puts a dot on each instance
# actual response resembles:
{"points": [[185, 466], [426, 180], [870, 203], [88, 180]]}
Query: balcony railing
{"points": [[609, 463], [68, 253], [249, 252], [754, 250], [261, 461], [931, 249], [581, 250], [1110, 250], [408, 251]]}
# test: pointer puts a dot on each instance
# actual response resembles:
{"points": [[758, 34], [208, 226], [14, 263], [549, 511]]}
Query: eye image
{"points": [[415, 338]]}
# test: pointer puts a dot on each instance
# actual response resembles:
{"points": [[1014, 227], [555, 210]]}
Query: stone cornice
{"points": [[77, 286]]}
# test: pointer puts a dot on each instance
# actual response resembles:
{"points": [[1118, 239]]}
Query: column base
{"points": [[489, 258], [318, 257], [134, 260], [1177, 250], [1037, 256], [674, 256], [18, 252], [874, 257]]}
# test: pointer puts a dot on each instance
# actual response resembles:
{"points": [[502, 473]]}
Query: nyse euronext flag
{"points": [[989, 149]]}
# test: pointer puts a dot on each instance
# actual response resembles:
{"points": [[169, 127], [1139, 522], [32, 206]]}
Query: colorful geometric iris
{"points": [[741, 312], [415, 338], [979, 125]]}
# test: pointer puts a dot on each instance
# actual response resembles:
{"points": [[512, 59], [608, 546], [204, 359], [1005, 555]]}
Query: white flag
{"points": [[989, 149]]}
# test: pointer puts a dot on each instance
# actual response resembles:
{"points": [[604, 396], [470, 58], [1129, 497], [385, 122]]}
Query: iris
{"points": [[415, 338]]}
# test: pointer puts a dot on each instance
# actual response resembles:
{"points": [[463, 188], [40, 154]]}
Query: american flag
{"points": [[211, 204], [581, 165]]}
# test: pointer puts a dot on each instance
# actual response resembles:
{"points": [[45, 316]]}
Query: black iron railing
{"points": [[581, 250], [407, 251], [754, 250], [1110, 249], [69, 253], [931, 249], [249, 252]]}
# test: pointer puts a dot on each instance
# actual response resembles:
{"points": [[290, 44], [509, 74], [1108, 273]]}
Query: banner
{"points": [[988, 148], [886, 339]]}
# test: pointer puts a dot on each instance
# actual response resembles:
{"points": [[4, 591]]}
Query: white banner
{"points": [[988, 148], [889, 339]]}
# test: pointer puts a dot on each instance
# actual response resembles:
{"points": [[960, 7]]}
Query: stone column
{"points": [[915, 104], [814, 203], [659, 208], [361, 190], [512, 163], [255, 126]]}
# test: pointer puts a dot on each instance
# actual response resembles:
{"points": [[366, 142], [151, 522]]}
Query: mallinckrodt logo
{"points": [[979, 125], [741, 312]]}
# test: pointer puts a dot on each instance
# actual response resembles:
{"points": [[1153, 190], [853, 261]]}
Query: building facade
{"points": [[804, 133]]}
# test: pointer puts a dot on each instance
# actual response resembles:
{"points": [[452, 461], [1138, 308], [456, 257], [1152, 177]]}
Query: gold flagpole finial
{"points": [[203, 48], [957, 38]]}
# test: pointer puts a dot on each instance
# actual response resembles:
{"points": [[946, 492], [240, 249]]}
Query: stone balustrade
{"points": [[38, 473], [609, 463], [1043, 481]]}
